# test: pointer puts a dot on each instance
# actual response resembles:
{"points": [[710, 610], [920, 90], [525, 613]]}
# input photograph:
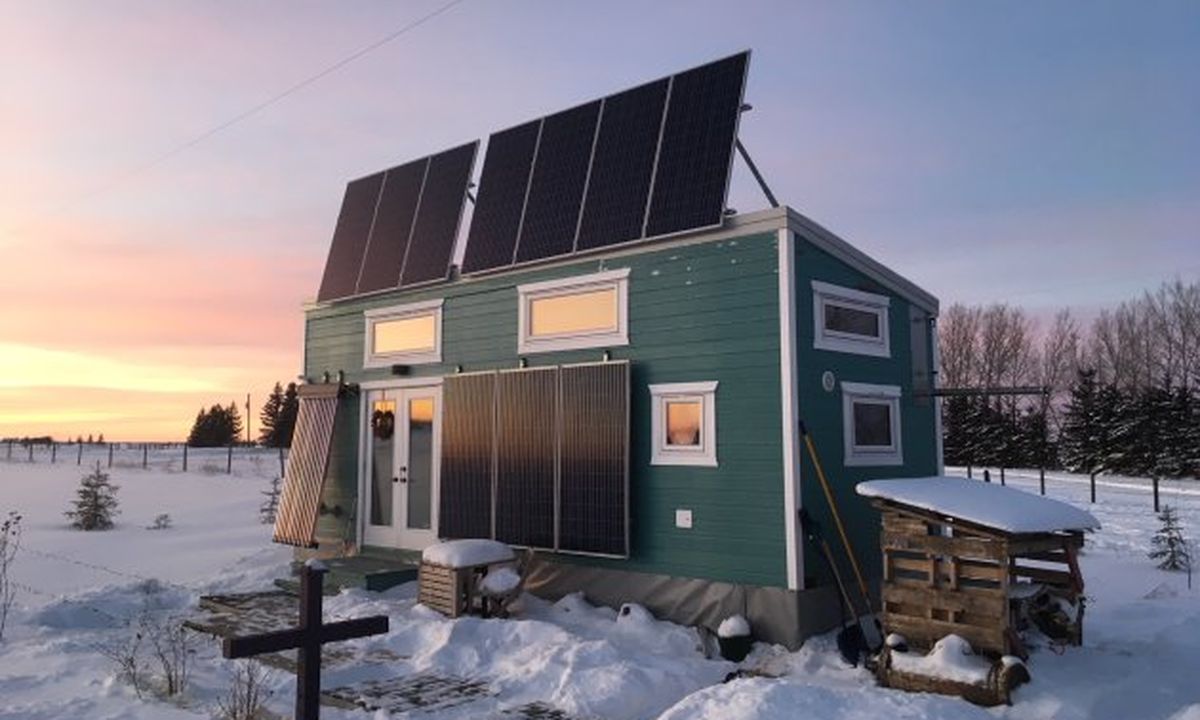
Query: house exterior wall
{"points": [[823, 414], [698, 311]]}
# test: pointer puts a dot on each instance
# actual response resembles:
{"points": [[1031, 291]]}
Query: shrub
{"points": [[95, 502]]}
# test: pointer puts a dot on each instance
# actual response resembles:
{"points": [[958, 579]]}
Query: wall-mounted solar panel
{"points": [[392, 226], [593, 459], [619, 186], [560, 174], [438, 215], [468, 446], [502, 189], [526, 440], [695, 155], [350, 238]]}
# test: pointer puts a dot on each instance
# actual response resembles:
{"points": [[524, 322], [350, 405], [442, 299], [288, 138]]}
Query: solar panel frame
{"points": [[355, 220], [450, 191], [381, 251]]}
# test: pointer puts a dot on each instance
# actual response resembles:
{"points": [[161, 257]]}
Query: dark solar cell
{"points": [[438, 215], [696, 152], [350, 238], [393, 223], [502, 185], [556, 190], [468, 407], [526, 439], [615, 208], [593, 487]]}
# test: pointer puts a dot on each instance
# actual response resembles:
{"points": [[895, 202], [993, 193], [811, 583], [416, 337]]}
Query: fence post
{"points": [[229, 462], [987, 475], [1154, 480], [185, 447], [1002, 475], [79, 455], [30, 452], [969, 476], [53, 452], [280, 462], [145, 455], [1093, 483], [110, 451], [1042, 479], [9, 450]]}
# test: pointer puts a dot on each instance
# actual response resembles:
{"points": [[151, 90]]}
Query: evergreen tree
{"points": [[287, 416], [1083, 435], [95, 502], [269, 506], [216, 427], [268, 419], [1170, 547], [233, 424]]}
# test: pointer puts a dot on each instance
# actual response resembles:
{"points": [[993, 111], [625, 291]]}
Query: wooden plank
{"points": [[988, 603], [1044, 575], [963, 547], [923, 632]]}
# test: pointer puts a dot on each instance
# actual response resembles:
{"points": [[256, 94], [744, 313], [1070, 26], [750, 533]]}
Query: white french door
{"points": [[403, 441]]}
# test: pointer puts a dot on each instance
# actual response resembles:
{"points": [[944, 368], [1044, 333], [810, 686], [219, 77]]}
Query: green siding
{"points": [[822, 411], [698, 312]]}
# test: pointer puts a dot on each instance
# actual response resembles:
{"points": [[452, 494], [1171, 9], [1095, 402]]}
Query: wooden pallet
{"points": [[450, 591]]}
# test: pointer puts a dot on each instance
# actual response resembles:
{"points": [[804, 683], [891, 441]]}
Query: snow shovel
{"points": [[851, 640], [870, 629]]}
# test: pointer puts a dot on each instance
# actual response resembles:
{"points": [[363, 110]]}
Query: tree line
{"points": [[219, 426], [1122, 393]]}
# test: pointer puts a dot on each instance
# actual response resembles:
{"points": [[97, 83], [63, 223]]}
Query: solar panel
{"points": [[696, 151], [502, 189], [615, 208], [350, 237], [438, 215], [559, 176], [594, 475], [525, 462], [468, 435], [393, 224]]}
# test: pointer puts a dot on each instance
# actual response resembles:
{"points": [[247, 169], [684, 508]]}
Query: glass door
{"points": [[403, 448]]}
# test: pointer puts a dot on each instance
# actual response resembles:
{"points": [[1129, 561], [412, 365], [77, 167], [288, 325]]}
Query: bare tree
{"points": [[958, 344]]}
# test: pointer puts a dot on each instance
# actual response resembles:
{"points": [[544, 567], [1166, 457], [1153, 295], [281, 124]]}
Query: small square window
{"points": [[404, 334], [684, 424], [584, 311], [871, 422], [851, 321]]}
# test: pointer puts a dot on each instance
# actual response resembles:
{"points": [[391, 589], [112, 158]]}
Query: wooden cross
{"points": [[306, 639]]}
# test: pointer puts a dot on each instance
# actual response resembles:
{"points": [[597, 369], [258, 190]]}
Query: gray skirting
{"points": [[776, 615]]}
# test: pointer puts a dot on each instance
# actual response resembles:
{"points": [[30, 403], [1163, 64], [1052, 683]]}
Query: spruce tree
{"points": [[1082, 433], [1170, 547], [287, 416], [95, 502], [268, 419], [270, 506], [233, 425]]}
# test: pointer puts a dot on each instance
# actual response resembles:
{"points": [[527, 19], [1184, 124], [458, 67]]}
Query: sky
{"points": [[163, 219]]}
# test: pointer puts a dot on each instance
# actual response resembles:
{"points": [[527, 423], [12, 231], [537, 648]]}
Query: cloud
{"points": [[24, 366]]}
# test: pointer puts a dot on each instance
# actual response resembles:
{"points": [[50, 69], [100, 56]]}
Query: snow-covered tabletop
{"points": [[467, 553], [994, 506]]}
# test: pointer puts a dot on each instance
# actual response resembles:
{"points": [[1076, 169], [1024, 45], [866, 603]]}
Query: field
{"points": [[78, 592]]}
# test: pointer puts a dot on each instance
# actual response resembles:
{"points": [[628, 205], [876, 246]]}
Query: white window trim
{"points": [[824, 339], [400, 312], [859, 456], [663, 454], [526, 294]]}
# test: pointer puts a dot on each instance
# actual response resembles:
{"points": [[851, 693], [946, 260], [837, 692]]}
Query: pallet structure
{"points": [[450, 591]]}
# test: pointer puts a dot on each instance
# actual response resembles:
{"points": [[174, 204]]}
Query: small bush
{"points": [[270, 505], [10, 541], [162, 521], [248, 692], [1170, 547], [95, 502]]}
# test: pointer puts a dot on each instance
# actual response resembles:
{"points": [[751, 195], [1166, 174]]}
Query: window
{"points": [[580, 312], [852, 321], [871, 418], [405, 334], [684, 422]]}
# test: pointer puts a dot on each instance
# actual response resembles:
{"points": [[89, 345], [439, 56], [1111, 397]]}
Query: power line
{"points": [[253, 110]]}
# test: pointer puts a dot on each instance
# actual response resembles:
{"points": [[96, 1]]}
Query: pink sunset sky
{"points": [[158, 239]]}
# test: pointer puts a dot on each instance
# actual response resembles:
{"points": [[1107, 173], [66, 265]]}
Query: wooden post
{"points": [[110, 451], [53, 452], [1154, 481], [969, 476], [306, 639], [30, 446], [9, 451], [1093, 483], [229, 462], [185, 447], [1042, 478], [280, 462], [987, 475], [1002, 475], [145, 455], [79, 455]]}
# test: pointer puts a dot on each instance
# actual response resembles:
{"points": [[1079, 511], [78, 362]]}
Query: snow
{"points": [[465, 553], [733, 626], [987, 504], [951, 658], [499, 582], [1142, 628]]}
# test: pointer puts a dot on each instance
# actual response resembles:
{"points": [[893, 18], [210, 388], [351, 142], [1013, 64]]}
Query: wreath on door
{"points": [[383, 424]]}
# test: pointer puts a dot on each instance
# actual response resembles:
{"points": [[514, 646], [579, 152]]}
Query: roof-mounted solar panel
{"points": [[392, 227], [350, 237], [502, 189], [438, 215]]}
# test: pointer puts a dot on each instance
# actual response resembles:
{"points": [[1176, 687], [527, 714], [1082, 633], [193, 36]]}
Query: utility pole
{"points": [[247, 418]]}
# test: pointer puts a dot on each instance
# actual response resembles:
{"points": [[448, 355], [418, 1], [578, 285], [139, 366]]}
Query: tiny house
{"points": [[607, 367]]}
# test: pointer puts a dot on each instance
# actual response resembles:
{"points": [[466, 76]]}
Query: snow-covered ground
{"points": [[1140, 659]]}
